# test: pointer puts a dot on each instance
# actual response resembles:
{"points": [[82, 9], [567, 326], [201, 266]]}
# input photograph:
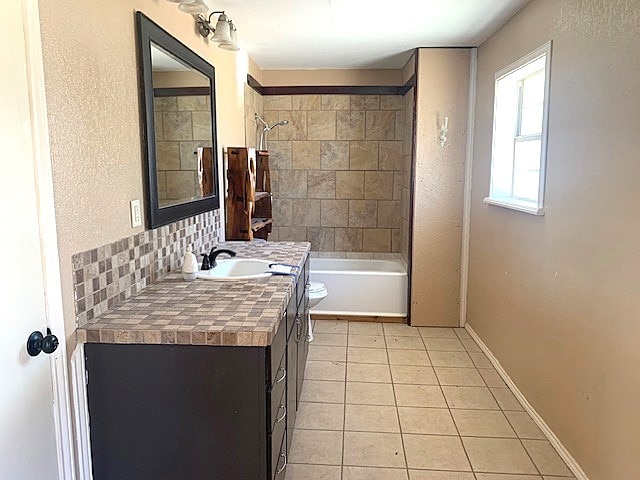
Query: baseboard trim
{"points": [[359, 318], [553, 439]]}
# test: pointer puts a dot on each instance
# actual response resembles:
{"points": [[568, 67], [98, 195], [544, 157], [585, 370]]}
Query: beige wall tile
{"points": [[306, 212], [158, 126], [403, 133], [350, 184], [357, 102], [306, 155], [177, 126], [363, 155], [390, 155], [335, 102], [381, 125], [391, 102], [282, 212], [321, 184], [378, 185], [201, 125], [388, 214], [280, 155], [348, 239], [165, 104], [292, 234], [334, 155], [292, 183], [306, 102], [277, 102], [334, 213], [188, 155], [321, 238], [363, 213], [295, 130], [376, 240], [350, 125], [180, 184], [168, 155], [162, 185], [321, 125], [372, 102], [194, 103], [396, 240]]}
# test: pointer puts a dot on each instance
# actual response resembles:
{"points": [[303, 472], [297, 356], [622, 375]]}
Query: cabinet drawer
{"points": [[281, 462], [276, 351], [278, 449], [277, 402]]}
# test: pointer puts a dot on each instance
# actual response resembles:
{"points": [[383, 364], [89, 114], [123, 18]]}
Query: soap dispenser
{"points": [[190, 266]]}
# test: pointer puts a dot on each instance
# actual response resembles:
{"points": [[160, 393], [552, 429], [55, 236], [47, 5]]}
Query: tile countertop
{"points": [[204, 312]]}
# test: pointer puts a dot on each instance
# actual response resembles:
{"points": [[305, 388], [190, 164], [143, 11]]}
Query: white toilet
{"points": [[317, 292]]}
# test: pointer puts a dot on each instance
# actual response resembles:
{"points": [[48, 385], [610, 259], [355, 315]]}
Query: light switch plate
{"points": [[136, 213]]}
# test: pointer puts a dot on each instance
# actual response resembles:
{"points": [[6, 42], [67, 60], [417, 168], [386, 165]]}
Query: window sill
{"points": [[517, 205]]}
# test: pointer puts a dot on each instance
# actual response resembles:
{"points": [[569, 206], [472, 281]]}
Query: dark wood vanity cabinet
{"points": [[194, 412]]}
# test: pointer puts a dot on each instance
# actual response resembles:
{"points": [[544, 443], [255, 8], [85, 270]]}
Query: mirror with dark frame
{"points": [[179, 125]]}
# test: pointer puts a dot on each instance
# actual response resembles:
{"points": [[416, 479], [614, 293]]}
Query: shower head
{"points": [[281, 122]]}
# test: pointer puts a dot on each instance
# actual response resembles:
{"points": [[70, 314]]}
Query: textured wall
{"points": [[443, 90], [556, 297], [92, 94], [336, 171]]}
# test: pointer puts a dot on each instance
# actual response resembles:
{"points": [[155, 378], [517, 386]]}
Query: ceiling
{"points": [[300, 34]]}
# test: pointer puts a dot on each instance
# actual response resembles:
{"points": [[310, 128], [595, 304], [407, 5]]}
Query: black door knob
{"points": [[37, 343]]}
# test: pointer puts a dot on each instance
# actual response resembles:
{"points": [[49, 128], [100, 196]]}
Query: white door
{"points": [[28, 448]]}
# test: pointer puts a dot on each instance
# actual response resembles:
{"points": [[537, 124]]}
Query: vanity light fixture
{"points": [[224, 32]]}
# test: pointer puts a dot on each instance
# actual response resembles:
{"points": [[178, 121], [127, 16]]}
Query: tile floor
{"points": [[392, 402]]}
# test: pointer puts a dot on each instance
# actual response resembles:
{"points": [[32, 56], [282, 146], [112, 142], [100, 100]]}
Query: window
{"points": [[520, 133]]}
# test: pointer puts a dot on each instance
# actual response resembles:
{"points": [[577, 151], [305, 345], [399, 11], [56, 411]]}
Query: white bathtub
{"points": [[361, 287]]}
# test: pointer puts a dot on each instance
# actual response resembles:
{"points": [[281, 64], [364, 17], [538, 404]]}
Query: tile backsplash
{"points": [[107, 275]]}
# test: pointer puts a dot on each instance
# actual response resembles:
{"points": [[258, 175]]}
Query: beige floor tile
{"points": [[461, 377], [370, 393], [331, 326], [371, 418], [367, 372], [437, 332], [439, 475], [470, 398], [483, 423], [470, 345], [297, 471], [408, 357], [435, 452], [450, 359], [323, 352], [546, 458], [322, 391], [367, 355], [506, 399], [462, 333], [369, 341], [404, 343], [318, 370], [400, 330], [426, 421], [419, 396], [413, 375], [373, 450], [498, 455], [444, 344], [316, 447], [365, 328], [503, 476], [491, 377], [553, 477], [320, 416], [329, 339], [524, 426], [369, 473], [480, 360]]}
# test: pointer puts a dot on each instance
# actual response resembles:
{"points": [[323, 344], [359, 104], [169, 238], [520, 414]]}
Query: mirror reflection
{"points": [[182, 113]]}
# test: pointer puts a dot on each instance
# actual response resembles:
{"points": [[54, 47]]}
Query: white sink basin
{"points": [[237, 269]]}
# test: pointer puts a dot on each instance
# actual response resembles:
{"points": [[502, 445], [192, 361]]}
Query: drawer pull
{"points": [[284, 375], [283, 455], [283, 415]]}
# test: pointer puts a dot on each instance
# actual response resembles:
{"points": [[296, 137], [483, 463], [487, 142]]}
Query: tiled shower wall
{"points": [[107, 275], [337, 173]]}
